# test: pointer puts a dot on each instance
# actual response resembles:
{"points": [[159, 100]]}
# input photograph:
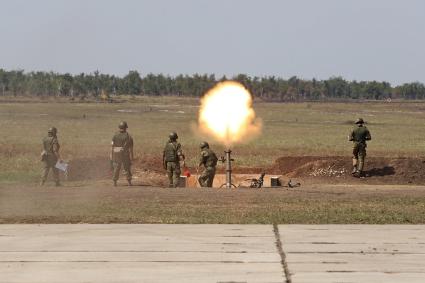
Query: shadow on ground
{"points": [[380, 172]]}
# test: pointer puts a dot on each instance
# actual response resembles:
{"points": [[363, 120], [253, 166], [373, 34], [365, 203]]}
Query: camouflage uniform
{"points": [[359, 135], [122, 151], [209, 160], [50, 156], [172, 155]]}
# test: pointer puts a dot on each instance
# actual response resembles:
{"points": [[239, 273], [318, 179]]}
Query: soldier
{"points": [[171, 158], [122, 153], [50, 156], [359, 135], [209, 160]]}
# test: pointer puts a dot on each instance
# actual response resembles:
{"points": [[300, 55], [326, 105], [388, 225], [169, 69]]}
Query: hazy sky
{"points": [[357, 39]]}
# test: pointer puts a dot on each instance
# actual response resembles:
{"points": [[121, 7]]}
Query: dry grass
{"points": [[85, 129], [101, 203]]}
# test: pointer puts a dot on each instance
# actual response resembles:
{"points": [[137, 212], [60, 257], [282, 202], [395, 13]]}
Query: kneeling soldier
{"points": [[209, 160], [122, 153]]}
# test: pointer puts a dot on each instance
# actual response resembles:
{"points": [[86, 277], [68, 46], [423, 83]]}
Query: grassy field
{"points": [[289, 129], [318, 204], [85, 130]]}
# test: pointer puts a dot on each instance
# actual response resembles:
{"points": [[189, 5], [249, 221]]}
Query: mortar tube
{"points": [[228, 169]]}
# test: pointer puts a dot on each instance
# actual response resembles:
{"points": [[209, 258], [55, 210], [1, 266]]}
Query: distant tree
{"points": [[336, 87], [272, 88], [17, 82], [415, 90], [66, 85], [3, 81], [133, 83], [150, 86]]}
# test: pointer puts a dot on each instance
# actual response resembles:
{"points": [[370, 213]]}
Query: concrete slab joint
{"points": [[282, 255]]}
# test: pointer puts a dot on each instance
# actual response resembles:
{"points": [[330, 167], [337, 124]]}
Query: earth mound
{"points": [[397, 170], [321, 169]]}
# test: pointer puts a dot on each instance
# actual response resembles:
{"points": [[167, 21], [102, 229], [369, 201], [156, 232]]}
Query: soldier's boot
{"points": [[360, 167], [201, 181], [170, 179], [129, 183], [115, 183], [44, 175], [176, 178], [354, 166]]}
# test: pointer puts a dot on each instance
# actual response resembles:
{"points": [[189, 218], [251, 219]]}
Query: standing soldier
{"points": [[122, 153], [50, 156], [209, 160], [171, 158], [359, 135]]}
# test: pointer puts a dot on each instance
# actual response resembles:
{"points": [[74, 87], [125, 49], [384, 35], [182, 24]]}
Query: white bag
{"points": [[61, 165]]}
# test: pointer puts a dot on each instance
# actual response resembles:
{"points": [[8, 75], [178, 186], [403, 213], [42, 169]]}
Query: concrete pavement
{"points": [[211, 253], [354, 253], [138, 253]]}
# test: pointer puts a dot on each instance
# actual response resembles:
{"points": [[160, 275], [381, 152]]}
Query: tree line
{"points": [[270, 88]]}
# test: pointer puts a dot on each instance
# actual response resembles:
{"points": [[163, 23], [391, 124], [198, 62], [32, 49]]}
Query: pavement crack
{"points": [[282, 254]]}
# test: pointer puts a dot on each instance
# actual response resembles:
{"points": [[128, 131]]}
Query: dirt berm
{"points": [[336, 169], [323, 169]]}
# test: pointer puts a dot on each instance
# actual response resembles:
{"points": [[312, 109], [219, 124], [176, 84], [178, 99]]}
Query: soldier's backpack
{"points": [[170, 152]]}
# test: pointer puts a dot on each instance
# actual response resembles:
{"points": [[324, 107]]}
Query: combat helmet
{"points": [[359, 121], [204, 144], [52, 131], [123, 125], [173, 136]]}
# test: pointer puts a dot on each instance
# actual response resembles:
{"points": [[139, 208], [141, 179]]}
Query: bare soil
{"points": [[393, 192], [337, 169], [315, 169]]}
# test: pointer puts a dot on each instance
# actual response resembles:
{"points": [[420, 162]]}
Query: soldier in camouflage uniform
{"points": [[359, 135], [50, 156], [208, 159], [171, 157], [122, 153]]}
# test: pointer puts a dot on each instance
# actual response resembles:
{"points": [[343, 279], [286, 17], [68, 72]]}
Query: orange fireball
{"points": [[227, 115]]}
